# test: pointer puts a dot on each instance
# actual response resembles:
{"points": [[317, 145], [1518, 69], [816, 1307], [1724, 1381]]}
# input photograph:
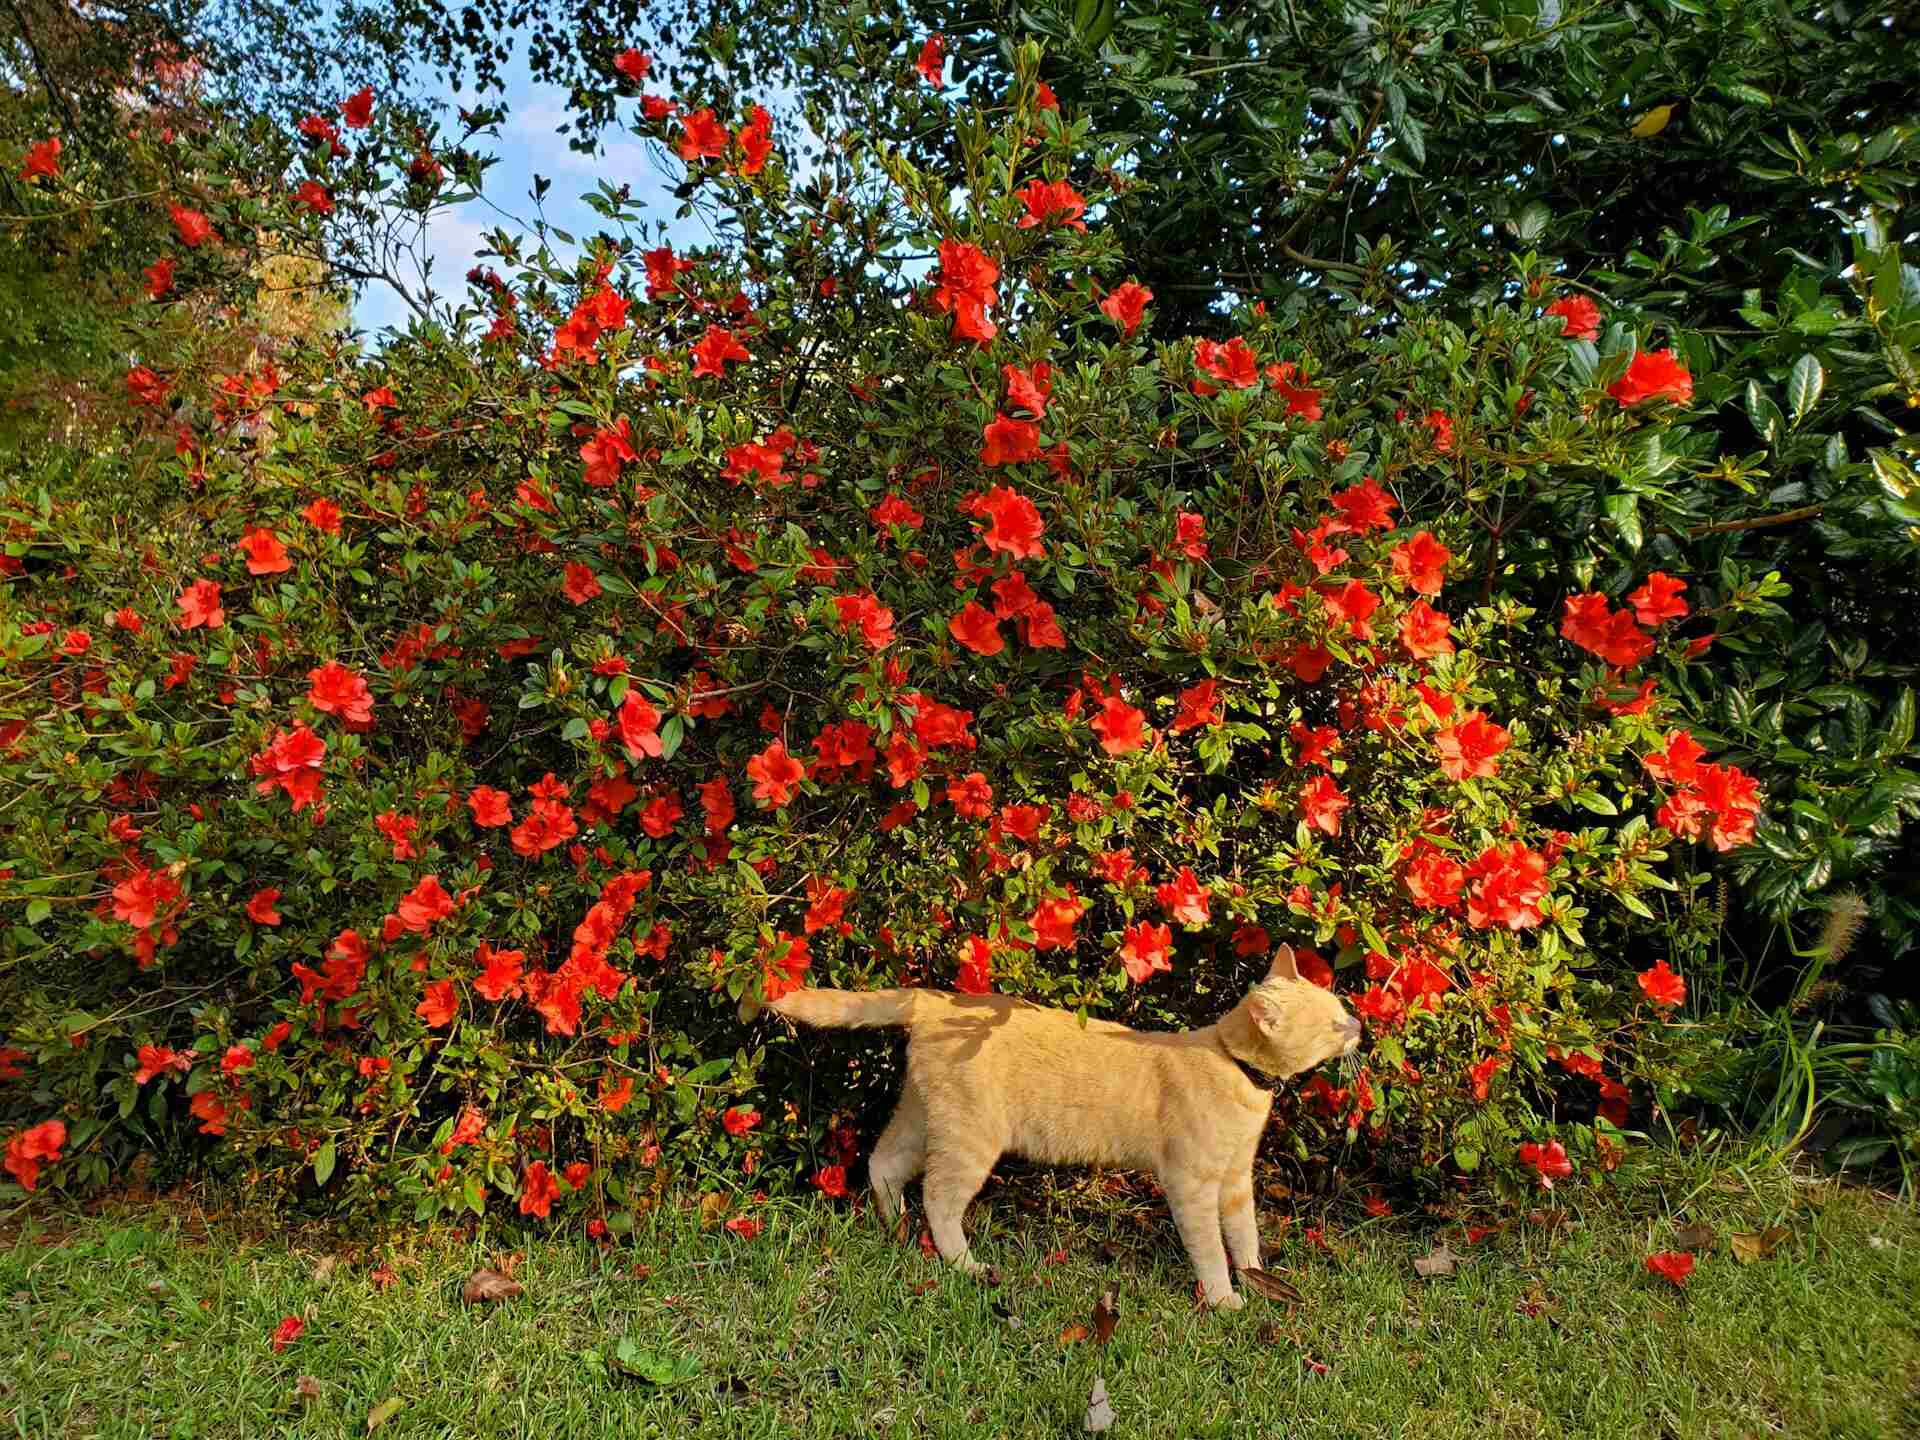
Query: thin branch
{"points": [[1758, 522]]}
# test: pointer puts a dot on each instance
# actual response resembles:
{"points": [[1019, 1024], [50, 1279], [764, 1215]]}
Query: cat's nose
{"points": [[1352, 1030]]}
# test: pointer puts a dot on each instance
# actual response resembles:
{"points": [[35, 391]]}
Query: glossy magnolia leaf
{"points": [[1804, 386], [1624, 511], [1894, 476]]}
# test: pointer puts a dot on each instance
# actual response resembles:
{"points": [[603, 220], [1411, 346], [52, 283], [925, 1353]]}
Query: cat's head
{"points": [[1295, 1023]]}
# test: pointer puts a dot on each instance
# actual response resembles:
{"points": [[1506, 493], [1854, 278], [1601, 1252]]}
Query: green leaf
{"points": [[1533, 221], [1898, 732], [1804, 385], [38, 910], [323, 1164], [1895, 478], [1624, 511]]}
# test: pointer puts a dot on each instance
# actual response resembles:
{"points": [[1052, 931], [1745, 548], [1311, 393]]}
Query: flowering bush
{"points": [[408, 797]]}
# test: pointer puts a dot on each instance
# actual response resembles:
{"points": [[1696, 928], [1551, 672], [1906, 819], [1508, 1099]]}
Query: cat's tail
{"points": [[848, 1009]]}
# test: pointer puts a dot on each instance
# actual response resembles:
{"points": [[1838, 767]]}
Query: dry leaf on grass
{"points": [[1693, 1237], [712, 1206], [484, 1286], [324, 1268], [1749, 1247], [1074, 1334], [1099, 1409], [306, 1389], [1106, 1315], [383, 1412], [1271, 1287], [1441, 1262], [382, 1277]]}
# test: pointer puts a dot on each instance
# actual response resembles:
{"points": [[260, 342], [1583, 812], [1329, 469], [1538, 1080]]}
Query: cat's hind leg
{"points": [[1240, 1221], [900, 1155], [954, 1177]]}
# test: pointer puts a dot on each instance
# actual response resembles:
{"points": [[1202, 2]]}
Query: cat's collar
{"points": [[1259, 1079]]}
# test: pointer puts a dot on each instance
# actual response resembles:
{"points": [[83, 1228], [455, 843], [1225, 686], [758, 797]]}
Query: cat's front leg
{"points": [[1241, 1221], [1196, 1210]]}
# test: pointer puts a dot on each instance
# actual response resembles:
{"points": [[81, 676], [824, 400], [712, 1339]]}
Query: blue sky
{"points": [[527, 145]]}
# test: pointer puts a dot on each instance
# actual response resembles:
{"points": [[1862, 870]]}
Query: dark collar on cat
{"points": [[1259, 1079]]}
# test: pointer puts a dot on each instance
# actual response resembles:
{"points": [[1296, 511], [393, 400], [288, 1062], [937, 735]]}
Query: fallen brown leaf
{"points": [[1749, 1247], [382, 1277], [712, 1206], [1441, 1262], [484, 1286], [383, 1412], [324, 1268], [1269, 1334], [1074, 1334], [1099, 1409], [1106, 1315], [1271, 1287], [1693, 1237], [307, 1389]]}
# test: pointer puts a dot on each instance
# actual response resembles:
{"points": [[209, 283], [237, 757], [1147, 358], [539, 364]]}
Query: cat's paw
{"points": [[1230, 1301]]}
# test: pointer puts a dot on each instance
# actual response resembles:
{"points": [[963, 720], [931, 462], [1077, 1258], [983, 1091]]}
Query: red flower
{"points": [[971, 796], [832, 1181], [43, 161], [1673, 1266], [1054, 920], [1550, 1160], [1579, 317], [775, 774], [581, 584], [1441, 424], [440, 1004], [314, 196], [1014, 524], [1052, 202], [1662, 986], [1363, 507], [1010, 442], [1470, 748], [1612, 635], [159, 277], [661, 815], [1654, 375], [1321, 804], [1125, 305], [1425, 632], [1143, 951], [740, 1119], [339, 690], [500, 973], [1658, 601], [976, 628], [157, 1060], [286, 1332], [933, 57], [538, 1190], [1480, 1076], [1029, 390], [975, 976], [1432, 879], [30, 1148], [260, 908], [714, 349], [146, 387], [323, 515], [357, 109], [747, 1227], [895, 511], [1184, 898], [424, 905], [1291, 385], [1199, 705], [200, 605], [195, 229], [968, 286], [1509, 885], [1422, 563], [1122, 728], [702, 136], [1232, 364], [634, 64], [639, 727], [489, 806]]}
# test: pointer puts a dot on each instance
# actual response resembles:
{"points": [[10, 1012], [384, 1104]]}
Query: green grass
{"points": [[157, 1322]]}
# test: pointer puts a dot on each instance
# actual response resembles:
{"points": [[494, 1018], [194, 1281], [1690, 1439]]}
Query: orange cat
{"points": [[988, 1075]]}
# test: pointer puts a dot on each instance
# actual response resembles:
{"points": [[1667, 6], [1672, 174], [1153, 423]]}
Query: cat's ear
{"points": [[1283, 967], [1264, 1014]]}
